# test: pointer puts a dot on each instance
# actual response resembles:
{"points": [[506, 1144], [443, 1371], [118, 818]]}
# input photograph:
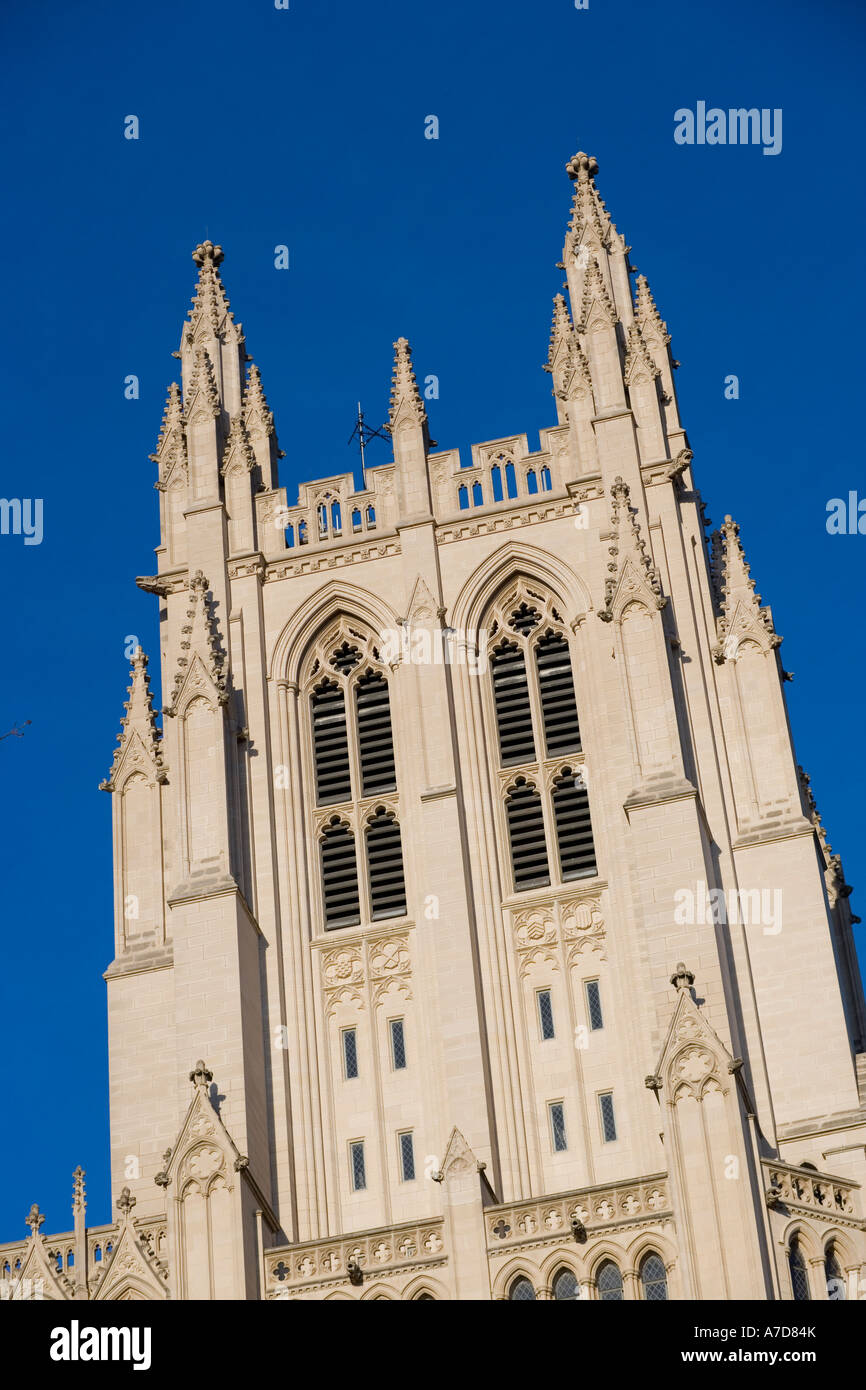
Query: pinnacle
{"points": [[737, 588], [209, 303], [405, 395], [254, 395], [172, 428], [139, 718], [646, 311], [588, 208], [560, 329], [203, 380]]}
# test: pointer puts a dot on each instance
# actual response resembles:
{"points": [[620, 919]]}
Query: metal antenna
{"points": [[364, 433]]}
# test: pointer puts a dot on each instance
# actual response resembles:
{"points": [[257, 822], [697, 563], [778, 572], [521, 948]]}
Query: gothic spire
{"points": [[742, 618], [565, 358], [139, 743], [631, 572], [646, 312], [200, 649], [210, 306], [171, 445], [588, 212], [202, 385], [406, 403], [259, 423]]}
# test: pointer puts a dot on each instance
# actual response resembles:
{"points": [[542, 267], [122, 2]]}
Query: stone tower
{"points": [[473, 857]]}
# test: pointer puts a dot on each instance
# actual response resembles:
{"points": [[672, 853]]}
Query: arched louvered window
{"points": [[525, 815], [556, 689], [521, 1289], [573, 827], [361, 857], [330, 743], [565, 1287], [385, 865], [534, 707], [513, 712], [608, 1282], [340, 875], [799, 1273], [375, 743], [653, 1279]]}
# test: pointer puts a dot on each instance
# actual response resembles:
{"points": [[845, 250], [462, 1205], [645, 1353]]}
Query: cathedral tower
{"points": [[476, 932]]}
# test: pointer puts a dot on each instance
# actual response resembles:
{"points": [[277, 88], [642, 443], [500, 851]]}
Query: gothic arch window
{"points": [[360, 846], [463, 497], [833, 1274], [565, 1286], [336, 519], [424, 1298], [510, 480], [496, 482], [799, 1272], [532, 481], [608, 1282], [545, 480], [653, 1279], [521, 1289], [477, 495], [534, 710], [356, 519]]}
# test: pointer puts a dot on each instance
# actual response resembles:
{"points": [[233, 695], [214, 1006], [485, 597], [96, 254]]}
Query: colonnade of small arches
{"points": [[606, 1282], [820, 1265]]}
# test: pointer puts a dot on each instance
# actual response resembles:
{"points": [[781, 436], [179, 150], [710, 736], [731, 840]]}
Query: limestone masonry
{"points": [[476, 933]]}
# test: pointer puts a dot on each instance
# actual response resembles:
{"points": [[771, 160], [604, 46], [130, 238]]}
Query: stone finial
{"points": [[582, 167], [79, 1201], [201, 1077], [682, 978], [206, 251], [34, 1219], [126, 1202]]}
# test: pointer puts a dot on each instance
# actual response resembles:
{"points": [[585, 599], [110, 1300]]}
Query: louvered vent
{"points": [[340, 876], [556, 686], [526, 835], [375, 742], [330, 744], [524, 619], [513, 714], [385, 866], [573, 827]]}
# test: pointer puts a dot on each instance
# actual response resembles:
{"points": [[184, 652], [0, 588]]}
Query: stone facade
{"points": [[481, 994]]}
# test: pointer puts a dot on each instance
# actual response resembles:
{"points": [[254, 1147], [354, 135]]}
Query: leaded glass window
{"points": [[521, 1289], [653, 1278], [608, 1282]]}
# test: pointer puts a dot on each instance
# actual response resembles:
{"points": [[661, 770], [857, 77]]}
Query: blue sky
{"points": [[261, 127]]}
